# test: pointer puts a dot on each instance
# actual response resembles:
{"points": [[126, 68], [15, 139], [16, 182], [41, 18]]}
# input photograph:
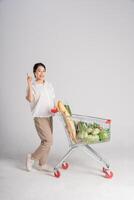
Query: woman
{"points": [[41, 97]]}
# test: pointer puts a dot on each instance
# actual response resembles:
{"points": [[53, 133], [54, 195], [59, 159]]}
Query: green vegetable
{"points": [[68, 109], [82, 135], [96, 131], [92, 139], [103, 135], [95, 125], [89, 130]]}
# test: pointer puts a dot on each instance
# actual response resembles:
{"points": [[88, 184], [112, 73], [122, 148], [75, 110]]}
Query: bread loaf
{"points": [[68, 120]]}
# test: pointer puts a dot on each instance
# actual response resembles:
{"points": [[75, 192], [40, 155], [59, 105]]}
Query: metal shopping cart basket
{"points": [[88, 130]]}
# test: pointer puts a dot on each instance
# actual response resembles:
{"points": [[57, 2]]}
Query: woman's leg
{"points": [[44, 157], [44, 130]]}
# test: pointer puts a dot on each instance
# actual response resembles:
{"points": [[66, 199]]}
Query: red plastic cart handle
{"points": [[54, 110]]}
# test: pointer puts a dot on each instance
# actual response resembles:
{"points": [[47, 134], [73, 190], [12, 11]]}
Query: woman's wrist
{"points": [[30, 85]]}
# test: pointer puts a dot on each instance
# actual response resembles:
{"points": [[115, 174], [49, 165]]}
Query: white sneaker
{"points": [[29, 162], [46, 167]]}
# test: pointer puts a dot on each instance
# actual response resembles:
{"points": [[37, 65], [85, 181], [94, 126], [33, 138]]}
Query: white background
{"points": [[88, 49]]}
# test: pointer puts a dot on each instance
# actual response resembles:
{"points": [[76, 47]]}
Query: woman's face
{"points": [[40, 73]]}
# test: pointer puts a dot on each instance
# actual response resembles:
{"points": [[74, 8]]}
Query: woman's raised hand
{"points": [[29, 79]]}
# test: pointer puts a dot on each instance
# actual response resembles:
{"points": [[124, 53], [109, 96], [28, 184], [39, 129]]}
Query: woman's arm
{"points": [[29, 95]]}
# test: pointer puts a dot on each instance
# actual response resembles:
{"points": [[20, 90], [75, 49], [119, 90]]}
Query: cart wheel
{"points": [[57, 174], [65, 165], [108, 173]]}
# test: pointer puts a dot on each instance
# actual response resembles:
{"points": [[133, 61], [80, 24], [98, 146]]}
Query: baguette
{"points": [[67, 118], [61, 108]]}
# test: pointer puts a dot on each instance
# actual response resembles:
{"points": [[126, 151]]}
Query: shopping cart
{"points": [[89, 130]]}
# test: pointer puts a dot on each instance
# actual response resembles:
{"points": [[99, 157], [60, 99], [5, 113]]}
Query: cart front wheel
{"points": [[108, 173], [65, 165], [57, 174]]}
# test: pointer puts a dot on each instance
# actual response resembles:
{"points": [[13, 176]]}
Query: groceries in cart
{"points": [[91, 132], [81, 132], [84, 129]]}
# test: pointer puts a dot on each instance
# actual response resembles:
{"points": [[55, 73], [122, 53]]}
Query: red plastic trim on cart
{"points": [[108, 121]]}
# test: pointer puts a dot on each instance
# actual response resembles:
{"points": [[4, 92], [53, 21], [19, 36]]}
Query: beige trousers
{"points": [[44, 127]]}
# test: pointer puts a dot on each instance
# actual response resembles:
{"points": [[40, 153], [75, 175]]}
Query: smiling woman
{"points": [[41, 97], [39, 70]]}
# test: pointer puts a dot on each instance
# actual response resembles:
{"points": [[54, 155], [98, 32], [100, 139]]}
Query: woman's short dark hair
{"points": [[38, 65]]}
